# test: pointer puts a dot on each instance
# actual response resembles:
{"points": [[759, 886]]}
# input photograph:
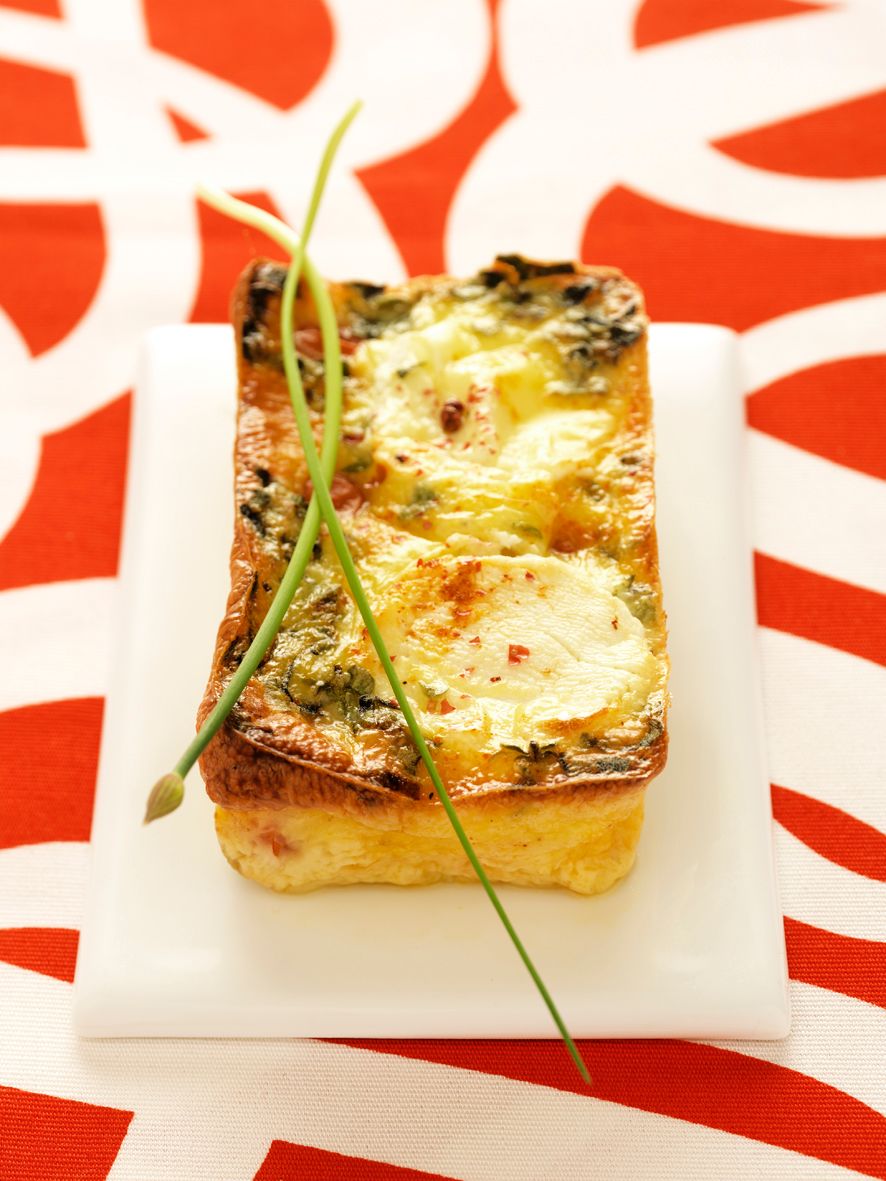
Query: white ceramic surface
{"points": [[177, 944]]}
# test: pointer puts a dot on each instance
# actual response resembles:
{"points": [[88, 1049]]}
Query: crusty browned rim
{"points": [[307, 783]]}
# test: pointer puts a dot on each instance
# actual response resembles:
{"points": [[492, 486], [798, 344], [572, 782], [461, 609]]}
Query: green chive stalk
{"points": [[168, 792], [321, 469]]}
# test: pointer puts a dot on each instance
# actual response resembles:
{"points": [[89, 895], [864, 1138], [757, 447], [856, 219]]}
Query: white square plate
{"points": [[176, 944]]}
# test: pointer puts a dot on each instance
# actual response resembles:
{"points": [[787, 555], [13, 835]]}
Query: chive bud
{"points": [[166, 795]]}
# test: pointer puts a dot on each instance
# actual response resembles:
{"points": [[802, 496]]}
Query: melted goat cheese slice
{"points": [[493, 648], [491, 480]]}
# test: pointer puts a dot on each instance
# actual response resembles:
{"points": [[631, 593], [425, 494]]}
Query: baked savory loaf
{"points": [[495, 482]]}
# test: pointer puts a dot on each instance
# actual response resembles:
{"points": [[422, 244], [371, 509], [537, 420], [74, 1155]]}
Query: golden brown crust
{"points": [[243, 772], [267, 757]]}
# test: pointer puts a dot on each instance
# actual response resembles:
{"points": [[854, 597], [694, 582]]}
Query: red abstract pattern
{"points": [[843, 142], [821, 609], [49, 950], [856, 967], [39, 7], [83, 468], [38, 108], [717, 1088], [831, 832], [414, 191], [47, 780], [295, 1162], [279, 58], [667, 20], [51, 261], [44, 1137], [226, 87], [837, 410], [713, 272], [186, 131]]}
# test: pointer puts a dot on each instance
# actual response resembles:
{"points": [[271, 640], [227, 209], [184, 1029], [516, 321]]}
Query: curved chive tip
{"points": [[166, 795]]}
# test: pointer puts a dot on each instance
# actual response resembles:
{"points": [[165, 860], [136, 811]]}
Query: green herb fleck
{"points": [[423, 497]]}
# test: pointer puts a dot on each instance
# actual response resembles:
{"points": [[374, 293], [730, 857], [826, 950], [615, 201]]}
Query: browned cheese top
{"points": [[494, 479]]}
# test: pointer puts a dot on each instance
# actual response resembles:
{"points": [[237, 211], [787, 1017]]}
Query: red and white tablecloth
{"points": [[731, 156]]}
